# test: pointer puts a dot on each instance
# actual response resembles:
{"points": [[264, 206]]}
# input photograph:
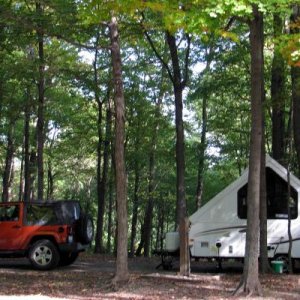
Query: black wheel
{"points": [[67, 259], [86, 229], [43, 255]]}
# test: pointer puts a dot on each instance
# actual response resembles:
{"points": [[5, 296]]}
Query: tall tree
{"points": [[178, 77], [295, 74], [41, 101], [250, 282], [122, 274], [278, 94], [8, 170]]}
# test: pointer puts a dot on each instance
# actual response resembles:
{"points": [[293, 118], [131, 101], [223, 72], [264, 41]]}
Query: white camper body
{"points": [[218, 229]]}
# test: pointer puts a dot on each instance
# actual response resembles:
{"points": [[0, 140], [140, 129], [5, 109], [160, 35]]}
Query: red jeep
{"points": [[48, 233]]}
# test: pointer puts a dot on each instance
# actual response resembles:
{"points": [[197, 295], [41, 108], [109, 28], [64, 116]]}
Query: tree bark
{"points": [[277, 96], [21, 183], [121, 274], [178, 87], [295, 74], [41, 104], [10, 150], [263, 252], [179, 83], [103, 181], [100, 212], [32, 174], [135, 208], [250, 284], [201, 153], [110, 229], [50, 185]]}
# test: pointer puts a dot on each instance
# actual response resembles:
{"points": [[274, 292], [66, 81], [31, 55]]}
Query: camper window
{"points": [[277, 207]]}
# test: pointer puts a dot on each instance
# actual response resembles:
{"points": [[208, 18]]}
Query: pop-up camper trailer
{"points": [[218, 229]]}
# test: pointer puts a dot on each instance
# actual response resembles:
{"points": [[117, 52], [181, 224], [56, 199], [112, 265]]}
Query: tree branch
{"points": [[79, 45], [159, 57]]}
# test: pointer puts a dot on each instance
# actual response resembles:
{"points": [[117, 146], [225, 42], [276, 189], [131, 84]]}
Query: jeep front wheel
{"points": [[44, 255]]}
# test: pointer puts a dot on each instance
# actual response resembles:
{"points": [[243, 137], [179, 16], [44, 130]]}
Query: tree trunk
{"points": [[295, 74], [263, 252], [110, 209], [202, 148], [102, 186], [135, 208], [41, 104], [21, 183], [161, 223], [278, 96], [26, 147], [50, 185], [149, 214], [180, 160], [250, 284], [121, 274], [32, 174], [10, 150], [100, 213]]}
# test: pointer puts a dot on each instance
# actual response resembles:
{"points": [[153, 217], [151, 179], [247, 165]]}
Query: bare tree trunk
{"points": [[161, 223], [41, 104], [103, 182], [202, 148], [179, 82], [290, 260], [32, 174], [10, 150], [278, 96], [250, 284], [264, 261], [26, 147], [110, 210], [100, 212], [21, 183], [295, 74], [178, 86], [121, 274], [50, 185], [135, 208]]}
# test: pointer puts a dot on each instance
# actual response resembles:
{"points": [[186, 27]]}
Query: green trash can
{"points": [[277, 266]]}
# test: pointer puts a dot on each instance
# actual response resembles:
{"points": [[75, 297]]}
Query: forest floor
{"points": [[90, 278]]}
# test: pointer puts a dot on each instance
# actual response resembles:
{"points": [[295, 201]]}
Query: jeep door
{"points": [[10, 226]]}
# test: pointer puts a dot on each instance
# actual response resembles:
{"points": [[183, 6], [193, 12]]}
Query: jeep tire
{"points": [[68, 258], [43, 255], [86, 229]]}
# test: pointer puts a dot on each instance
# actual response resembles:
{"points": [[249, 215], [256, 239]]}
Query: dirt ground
{"points": [[90, 278]]}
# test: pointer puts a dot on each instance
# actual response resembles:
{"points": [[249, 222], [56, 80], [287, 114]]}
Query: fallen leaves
{"points": [[90, 278]]}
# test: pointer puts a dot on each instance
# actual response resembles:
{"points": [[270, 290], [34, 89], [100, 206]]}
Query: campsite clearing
{"points": [[90, 278]]}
